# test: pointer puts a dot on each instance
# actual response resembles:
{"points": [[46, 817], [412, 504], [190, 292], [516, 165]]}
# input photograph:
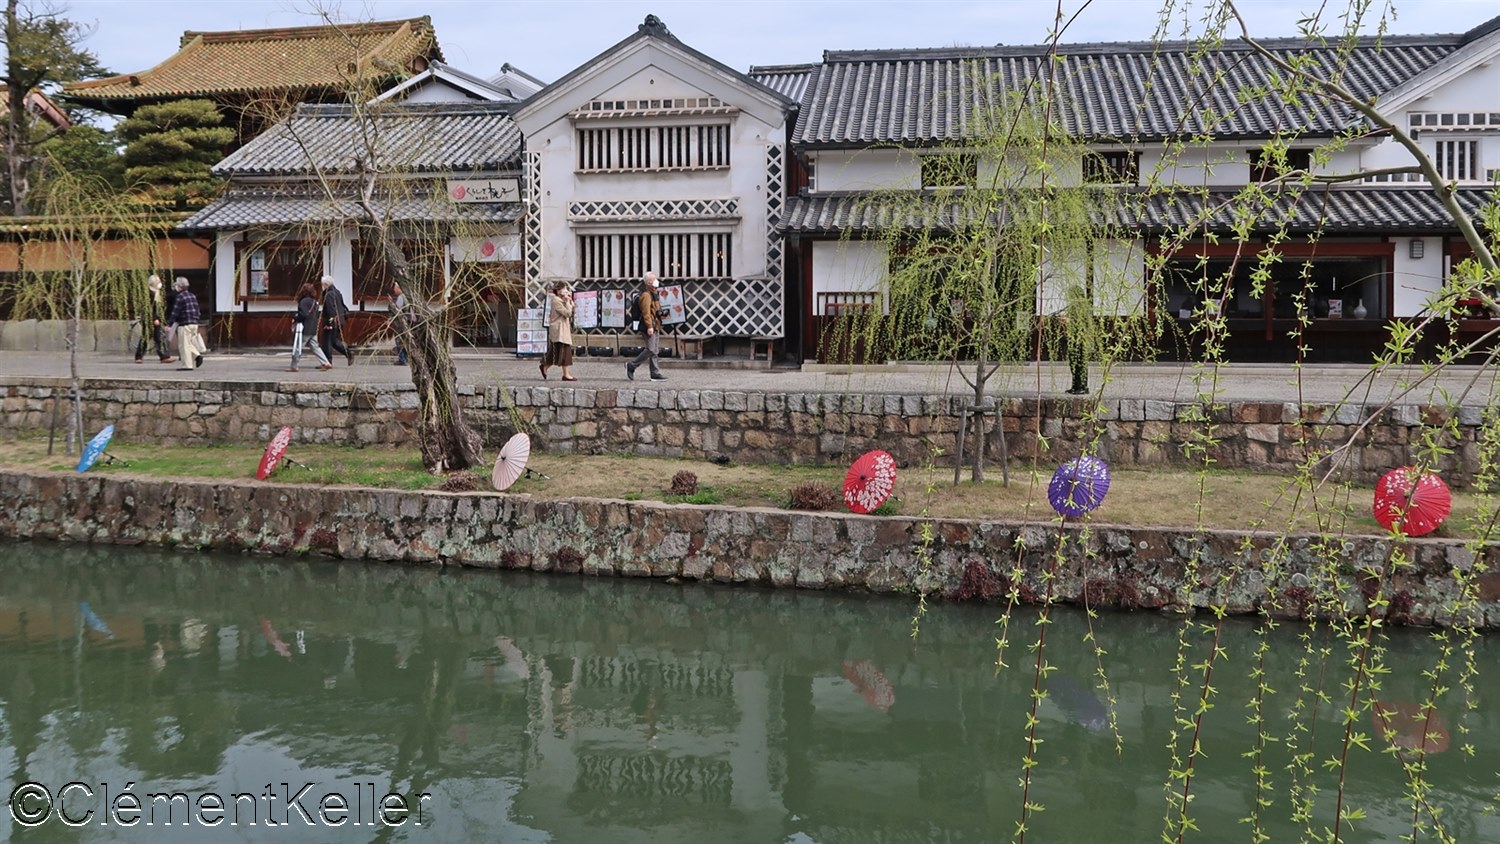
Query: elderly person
{"points": [[151, 325], [559, 331], [648, 306], [184, 323]]}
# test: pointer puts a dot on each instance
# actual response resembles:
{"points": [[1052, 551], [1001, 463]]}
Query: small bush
{"points": [[460, 482], [890, 507], [815, 496], [706, 495], [684, 483]]}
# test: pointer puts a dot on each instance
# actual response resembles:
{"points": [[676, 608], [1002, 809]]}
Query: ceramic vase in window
{"points": [[1359, 311]]}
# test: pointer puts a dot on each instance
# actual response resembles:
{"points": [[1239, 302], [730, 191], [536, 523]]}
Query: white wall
{"points": [[1120, 278], [874, 169], [1416, 279], [847, 267]]}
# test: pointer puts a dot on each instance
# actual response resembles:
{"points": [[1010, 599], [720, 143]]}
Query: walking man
{"points": [[334, 314], [648, 303], [184, 323]]}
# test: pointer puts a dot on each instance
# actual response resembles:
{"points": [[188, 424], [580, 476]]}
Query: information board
{"points": [[586, 309], [612, 308], [671, 300]]}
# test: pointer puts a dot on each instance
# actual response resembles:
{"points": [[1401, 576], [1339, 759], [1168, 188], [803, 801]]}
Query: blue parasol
{"points": [[1078, 486], [94, 622], [95, 448]]}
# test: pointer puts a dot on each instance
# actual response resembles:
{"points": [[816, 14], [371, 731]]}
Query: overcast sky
{"points": [[547, 38]]}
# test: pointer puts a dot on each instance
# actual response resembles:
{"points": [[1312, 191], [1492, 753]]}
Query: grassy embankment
{"points": [[1166, 497]]}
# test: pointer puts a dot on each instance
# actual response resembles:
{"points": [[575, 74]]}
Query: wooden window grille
{"points": [[950, 170], [1458, 160], [1116, 167], [676, 256], [1263, 168], [677, 147]]}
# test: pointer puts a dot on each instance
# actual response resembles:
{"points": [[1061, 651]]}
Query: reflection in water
{"points": [[537, 708]]}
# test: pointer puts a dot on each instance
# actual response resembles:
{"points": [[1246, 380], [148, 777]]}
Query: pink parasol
{"points": [[871, 684], [275, 450], [1416, 502], [870, 481], [511, 462]]}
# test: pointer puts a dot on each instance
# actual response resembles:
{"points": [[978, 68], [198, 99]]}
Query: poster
{"points": [[613, 308], [586, 309], [671, 299], [531, 331]]}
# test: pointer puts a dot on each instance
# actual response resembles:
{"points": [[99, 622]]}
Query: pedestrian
{"points": [[399, 322], [151, 324], [559, 331], [305, 327], [1078, 322], [334, 314], [184, 323], [648, 304]]}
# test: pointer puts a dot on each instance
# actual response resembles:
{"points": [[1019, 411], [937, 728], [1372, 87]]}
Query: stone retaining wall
{"points": [[765, 427], [1105, 565], [51, 335]]}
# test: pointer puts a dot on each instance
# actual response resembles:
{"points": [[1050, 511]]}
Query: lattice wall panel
{"points": [[531, 231], [775, 244], [625, 210], [740, 307]]}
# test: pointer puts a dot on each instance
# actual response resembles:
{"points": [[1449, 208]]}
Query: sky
{"points": [[547, 38]]}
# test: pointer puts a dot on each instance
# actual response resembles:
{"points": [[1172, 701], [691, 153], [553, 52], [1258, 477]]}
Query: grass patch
{"points": [[1156, 496]]}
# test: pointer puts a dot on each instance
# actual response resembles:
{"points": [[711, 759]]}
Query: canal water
{"points": [[526, 708]]}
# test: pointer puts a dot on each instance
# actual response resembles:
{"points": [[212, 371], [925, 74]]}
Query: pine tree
{"points": [[170, 149]]}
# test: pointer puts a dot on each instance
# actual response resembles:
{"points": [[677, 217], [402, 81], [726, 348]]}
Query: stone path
{"points": [[1468, 385]]}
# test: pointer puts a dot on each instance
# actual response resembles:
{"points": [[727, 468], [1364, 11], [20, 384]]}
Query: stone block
{"points": [[1132, 410], [111, 336], [736, 401], [711, 399], [18, 335], [1158, 411], [52, 335]]}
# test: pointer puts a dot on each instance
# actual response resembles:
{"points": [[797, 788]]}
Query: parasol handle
{"points": [[285, 459], [529, 473], [111, 459]]}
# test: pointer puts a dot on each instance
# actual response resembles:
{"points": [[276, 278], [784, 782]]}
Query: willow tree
{"points": [[982, 264]]}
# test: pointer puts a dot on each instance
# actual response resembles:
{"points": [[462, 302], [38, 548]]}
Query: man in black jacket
{"points": [[334, 314]]}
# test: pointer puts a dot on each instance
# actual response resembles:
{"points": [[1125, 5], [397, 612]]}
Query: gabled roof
{"points": [[258, 61], [516, 82], [419, 138], [1137, 91], [788, 80], [473, 86], [652, 30], [1345, 210]]}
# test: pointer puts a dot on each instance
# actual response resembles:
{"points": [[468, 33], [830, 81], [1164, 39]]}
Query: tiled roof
{"points": [[410, 137], [788, 80], [1337, 209], [255, 61], [244, 208], [1107, 91]]}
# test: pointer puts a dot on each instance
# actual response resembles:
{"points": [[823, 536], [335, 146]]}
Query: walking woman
{"points": [[305, 327], [151, 327], [560, 331]]}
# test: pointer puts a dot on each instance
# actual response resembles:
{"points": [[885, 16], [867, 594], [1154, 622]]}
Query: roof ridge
{"points": [[1118, 47], [785, 68], [290, 32]]}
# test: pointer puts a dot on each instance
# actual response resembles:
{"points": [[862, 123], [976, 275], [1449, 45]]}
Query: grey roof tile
{"points": [[408, 138], [1337, 209], [1137, 91], [789, 80], [244, 208]]}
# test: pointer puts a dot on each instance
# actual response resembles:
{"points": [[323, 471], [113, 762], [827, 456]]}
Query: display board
{"points": [[586, 309], [671, 300], [531, 331], [612, 308]]}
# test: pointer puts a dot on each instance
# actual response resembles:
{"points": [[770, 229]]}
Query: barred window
{"points": [[1263, 167], [670, 256], [679, 147], [1458, 160], [1117, 167], [950, 170]]}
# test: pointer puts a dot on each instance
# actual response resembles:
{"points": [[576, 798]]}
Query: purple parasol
{"points": [[1078, 486]]}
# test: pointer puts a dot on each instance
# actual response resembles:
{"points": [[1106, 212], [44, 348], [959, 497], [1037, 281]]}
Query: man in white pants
{"points": [[184, 321]]}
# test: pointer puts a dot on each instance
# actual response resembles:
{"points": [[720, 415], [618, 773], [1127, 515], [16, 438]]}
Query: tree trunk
{"points": [[15, 116]]}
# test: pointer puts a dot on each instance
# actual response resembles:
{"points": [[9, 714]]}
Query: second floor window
{"points": [[1458, 160], [679, 147], [1263, 168], [1116, 167], [671, 256], [951, 170]]}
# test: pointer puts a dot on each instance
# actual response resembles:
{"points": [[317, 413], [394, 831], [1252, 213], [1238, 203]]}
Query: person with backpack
{"points": [[334, 314], [305, 327], [645, 317]]}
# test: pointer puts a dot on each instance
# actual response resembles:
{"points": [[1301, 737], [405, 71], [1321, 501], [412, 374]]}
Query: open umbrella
{"points": [[870, 683], [1416, 502], [275, 450], [95, 448], [1409, 727], [1079, 486], [870, 481], [511, 462], [274, 638], [94, 622]]}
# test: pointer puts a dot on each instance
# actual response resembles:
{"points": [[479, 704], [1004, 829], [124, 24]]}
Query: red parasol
{"points": [[511, 462], [870, 683], [1412, 501], [275, 450], [1410, 727], [870, 481]]}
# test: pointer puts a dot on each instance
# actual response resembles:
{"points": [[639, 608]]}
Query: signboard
{"points": [[671, 299], [484, 190], [531, 331], [500, 247], [586, 309], [612, 308]]}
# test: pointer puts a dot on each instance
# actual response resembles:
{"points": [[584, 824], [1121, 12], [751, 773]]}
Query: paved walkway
{"points": [[1162, 381]]}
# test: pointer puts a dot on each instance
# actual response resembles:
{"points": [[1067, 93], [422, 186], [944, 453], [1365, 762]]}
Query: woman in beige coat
{"points": [[560, 331]]}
